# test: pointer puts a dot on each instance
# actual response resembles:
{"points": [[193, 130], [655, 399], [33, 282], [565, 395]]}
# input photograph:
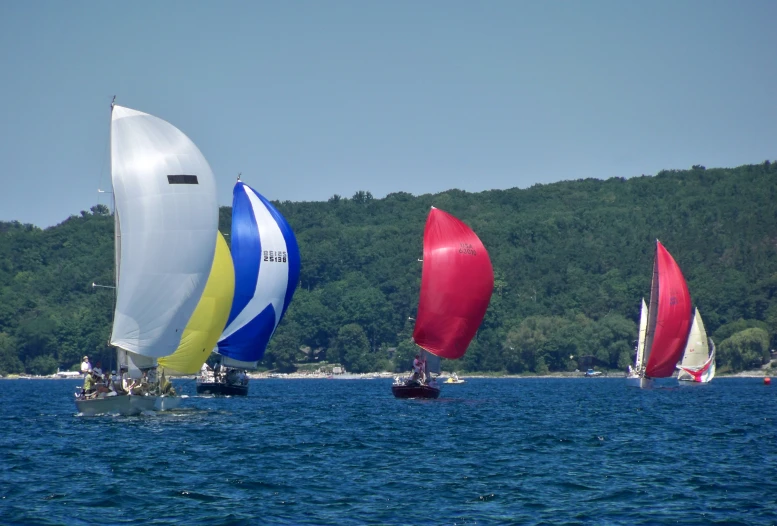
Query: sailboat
{"points": [[166, 223], [668, 321], [698, 363], [456, 285], [267, 266], [635, 371]]}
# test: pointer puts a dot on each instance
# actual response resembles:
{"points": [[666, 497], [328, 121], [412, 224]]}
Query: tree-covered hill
{"points": [[572, 261]]}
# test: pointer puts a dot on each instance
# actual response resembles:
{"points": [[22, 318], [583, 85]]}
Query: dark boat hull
{"points": [[222, 389], [415, 391]]}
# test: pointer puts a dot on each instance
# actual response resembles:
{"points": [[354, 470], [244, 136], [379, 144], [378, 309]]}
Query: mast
{"points": [[116, 234], [652, 309]]}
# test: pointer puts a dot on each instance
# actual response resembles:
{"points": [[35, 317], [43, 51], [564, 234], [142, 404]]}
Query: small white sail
{"points": [[697, 358], [696, 349], [643, 316], [165, 196]]}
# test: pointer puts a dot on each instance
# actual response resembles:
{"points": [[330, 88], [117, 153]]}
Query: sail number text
{"points": [[466, 248], [275, 256]]}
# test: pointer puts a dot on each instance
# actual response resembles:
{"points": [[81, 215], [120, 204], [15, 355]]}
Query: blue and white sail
{"points": [[267, 267]]}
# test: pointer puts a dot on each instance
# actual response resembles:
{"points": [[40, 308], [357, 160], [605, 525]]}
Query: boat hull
{"points": [[167, 403], [222, 389], [415, 391], [125, 405], [650, 383], [640, 382]]}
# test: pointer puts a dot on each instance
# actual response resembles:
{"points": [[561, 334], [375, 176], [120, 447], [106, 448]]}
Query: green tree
{"points": [[744, 350], [9, 362], [283, 350], [42, 365], [353, 348]]}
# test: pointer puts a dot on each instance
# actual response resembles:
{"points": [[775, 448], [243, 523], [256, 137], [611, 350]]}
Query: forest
{"points": [[572, 261]]}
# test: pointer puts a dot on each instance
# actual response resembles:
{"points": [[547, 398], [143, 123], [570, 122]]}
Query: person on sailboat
{"points": [[85, 366], [166, 386], [115, 384], [101, 386], [88, 388], [417, 365]]}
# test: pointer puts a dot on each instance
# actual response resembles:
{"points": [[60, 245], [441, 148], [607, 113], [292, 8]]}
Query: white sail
{"points": [[710, 374], [696, 349], [643, 316], [167, 219], [697, 358]]}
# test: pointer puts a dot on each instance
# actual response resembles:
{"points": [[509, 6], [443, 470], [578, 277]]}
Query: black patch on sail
{"points": [[182, 179]]}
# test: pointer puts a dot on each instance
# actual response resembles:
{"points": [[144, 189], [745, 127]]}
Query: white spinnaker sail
{"points": [[697, 350], [643, 315], [710, 374], [165, 196]]}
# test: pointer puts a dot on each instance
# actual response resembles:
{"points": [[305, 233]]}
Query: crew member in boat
{"points": [[166, 386], [138, 386], [85, 366], [98, 370], [417, 367], [88, 389], [116, 384], [102, 386]]}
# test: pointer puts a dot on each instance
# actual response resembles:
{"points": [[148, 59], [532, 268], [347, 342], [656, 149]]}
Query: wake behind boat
{"points": [[457, 280], [166, 217]]}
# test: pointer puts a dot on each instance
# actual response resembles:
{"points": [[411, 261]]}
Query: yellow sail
{"points": [[209, 318]]}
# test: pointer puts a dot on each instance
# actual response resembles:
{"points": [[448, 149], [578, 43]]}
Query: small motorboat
{"points": [[454, 379]]}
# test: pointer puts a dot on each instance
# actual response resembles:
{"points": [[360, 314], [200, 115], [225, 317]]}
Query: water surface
{"points": [[489, 451]]}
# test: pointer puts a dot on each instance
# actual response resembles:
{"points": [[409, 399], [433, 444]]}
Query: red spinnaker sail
{"points": [[456, 285], [673, 318]]}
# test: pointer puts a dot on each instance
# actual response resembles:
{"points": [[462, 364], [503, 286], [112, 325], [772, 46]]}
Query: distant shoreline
{"points": [[757, 373]]}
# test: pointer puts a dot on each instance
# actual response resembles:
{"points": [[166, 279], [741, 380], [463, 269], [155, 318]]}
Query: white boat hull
{"points": [[640, 382], [126, 405], [166, 403], [650, 383]]}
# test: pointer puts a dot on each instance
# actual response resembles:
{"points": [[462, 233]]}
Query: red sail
{"points": [[456, 285], [673, 317]]}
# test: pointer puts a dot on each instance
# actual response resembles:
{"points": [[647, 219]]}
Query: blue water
{"points": [[490, 451]]}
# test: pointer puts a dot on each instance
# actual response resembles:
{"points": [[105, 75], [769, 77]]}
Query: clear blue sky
{"points": [[312, 98]]}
